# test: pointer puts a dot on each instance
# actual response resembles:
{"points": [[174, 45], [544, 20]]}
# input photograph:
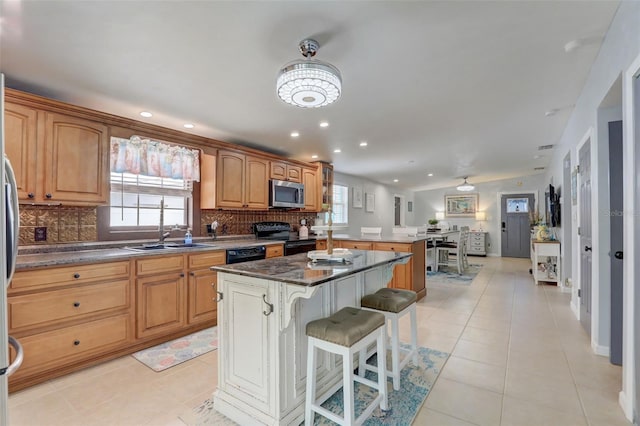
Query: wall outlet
{"points": [[40, 233]]}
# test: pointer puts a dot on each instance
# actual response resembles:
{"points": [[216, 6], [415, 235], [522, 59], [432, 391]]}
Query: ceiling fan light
{"points": [[309, 83], [465, 186]]}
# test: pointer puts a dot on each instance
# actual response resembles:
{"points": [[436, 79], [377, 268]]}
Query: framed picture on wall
{"points": [[370, 203], [357, 197], [461, 205]]}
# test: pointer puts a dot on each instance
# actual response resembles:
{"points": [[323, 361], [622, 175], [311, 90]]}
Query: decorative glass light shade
{"points": [[309, 83], [465, 186]]}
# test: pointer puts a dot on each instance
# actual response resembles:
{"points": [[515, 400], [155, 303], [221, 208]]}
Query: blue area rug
{"points": [[415, 384], [449, 275]]}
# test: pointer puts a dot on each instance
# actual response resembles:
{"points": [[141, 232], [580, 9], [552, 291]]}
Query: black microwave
{"points": [[286, 194]]}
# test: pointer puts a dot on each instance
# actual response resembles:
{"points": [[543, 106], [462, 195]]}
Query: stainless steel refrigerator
{"points": [[9, 220]]}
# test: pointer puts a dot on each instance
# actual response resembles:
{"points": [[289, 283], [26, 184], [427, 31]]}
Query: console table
{"points": [[545, 261]]}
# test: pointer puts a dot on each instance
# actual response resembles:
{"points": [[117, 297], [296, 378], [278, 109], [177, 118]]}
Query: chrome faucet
{"points": [[161, 234]]}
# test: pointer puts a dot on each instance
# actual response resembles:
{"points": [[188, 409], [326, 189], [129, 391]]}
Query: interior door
{"points": [[616, 208], [516, 224], [636, 243], [584, 158]]}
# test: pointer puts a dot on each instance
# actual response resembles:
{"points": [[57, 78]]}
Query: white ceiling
{"points": [[453, 88]]}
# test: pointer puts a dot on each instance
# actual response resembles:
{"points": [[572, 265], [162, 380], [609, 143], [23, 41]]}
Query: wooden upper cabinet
{"points": [[20, 135], [256, 183], [76, 160], [242, 181], [310, 182], [284, 171], [230, 180]]}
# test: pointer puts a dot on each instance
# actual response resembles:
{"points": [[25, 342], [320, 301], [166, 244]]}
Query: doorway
{"points": [[584, 206], [516, 224], [566, 217], [398, 213]]}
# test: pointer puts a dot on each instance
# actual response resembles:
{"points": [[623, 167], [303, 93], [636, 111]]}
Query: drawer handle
{"points": [[76, 342], [76, 275], [76, 304]]}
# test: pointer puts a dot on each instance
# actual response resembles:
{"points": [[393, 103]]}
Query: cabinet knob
{"points": [[76, 275], [48, 195], [182, 274], [213, 285], [193, 274], [76, 342], [76, 304], [31, 195]]}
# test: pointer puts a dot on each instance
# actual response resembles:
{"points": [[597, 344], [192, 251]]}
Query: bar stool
{"points": [[345, 333], [394, 304]]}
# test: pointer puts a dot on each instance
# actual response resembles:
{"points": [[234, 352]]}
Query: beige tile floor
{"points": [[518, 357]]}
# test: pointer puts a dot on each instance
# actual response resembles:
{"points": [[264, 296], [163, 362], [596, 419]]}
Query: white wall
{"points": [[383, 214], [619, 50], [427, 203]]}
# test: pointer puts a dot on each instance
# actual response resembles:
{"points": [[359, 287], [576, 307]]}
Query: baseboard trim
{"points": [[627, 408], [599, 349], [575, 309]]}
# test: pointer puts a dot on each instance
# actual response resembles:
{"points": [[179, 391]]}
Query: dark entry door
{"points": [[616, 219], [516, 224], [584, 157]]}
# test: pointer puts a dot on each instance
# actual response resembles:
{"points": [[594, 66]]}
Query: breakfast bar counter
{"points": [[264, 307]]}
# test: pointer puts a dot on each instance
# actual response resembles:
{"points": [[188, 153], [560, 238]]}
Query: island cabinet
{"points": [[281, 170], [69, 316], [262, 341], [57, 158], [242, 181]]}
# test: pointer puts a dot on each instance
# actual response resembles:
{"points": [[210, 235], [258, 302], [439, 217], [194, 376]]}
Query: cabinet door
{"points": [[20, 136], [230, 180], [160, 304], [202, 296], [245, 335], [321, 244], [76, 160], [256, 183], [294, 173], [310, 182], [278, 170]]}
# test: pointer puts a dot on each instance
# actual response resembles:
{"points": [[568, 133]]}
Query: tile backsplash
{"points": [[66, 224], [63, 224], [238, 222]]}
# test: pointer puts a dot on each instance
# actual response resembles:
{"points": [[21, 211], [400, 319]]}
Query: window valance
{"points": [[152, 158]]}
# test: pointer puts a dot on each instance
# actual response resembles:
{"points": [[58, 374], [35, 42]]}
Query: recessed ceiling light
{"points": [[363, 143], [295, 134], [324, 124], [337, 150], [146, 114], [314, 156], [395, 180], [430, 174], [188, 126]]}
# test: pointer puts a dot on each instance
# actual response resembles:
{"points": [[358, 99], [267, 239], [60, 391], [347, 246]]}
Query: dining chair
{"points": [[444, 249], [371, 230]]}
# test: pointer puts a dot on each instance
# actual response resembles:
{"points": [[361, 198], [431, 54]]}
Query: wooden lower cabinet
{"points": [[160, 301], [203, 287], [275, 250]]}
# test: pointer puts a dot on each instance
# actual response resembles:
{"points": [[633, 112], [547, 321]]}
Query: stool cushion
{"points": [[389, 300], [346, 327]]}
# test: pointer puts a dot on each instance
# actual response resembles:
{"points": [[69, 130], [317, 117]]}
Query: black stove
{"points": [[281, 231]]}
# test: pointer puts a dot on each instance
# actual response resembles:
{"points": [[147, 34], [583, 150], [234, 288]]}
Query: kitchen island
{"points": [[264, 307]]}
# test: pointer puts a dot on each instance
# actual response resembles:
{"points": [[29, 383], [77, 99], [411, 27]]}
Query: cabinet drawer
{"points": [[476, 244], [321, 244], [547, 249], [356, 245], [49, 350], [51, 307], [205, 260], [475, 250], [67, 275], [406, 248], [479, 239], [159, 264], [275, 251]]}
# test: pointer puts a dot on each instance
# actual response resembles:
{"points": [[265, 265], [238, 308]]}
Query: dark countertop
{"points": [[100, 252], [298, 269], [385, 238]]}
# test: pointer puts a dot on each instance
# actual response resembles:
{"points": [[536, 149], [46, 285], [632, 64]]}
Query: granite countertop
{"points": [[100, 252], [384, 238], [298, 269]]}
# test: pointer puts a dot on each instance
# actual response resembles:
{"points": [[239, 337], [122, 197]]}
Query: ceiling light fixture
{"points": [[430, 174], [146, 114], [337, 150], [309, 83], [314, 156], [324, 124], [295, 134], [395, 180], [465, 186], [188, 126], [363, 143]]}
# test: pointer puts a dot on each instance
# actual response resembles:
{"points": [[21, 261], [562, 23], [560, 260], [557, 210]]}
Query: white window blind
{"points": [[340, 205]]}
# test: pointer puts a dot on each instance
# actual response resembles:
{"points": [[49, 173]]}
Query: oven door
{"points": [[295, 247]]}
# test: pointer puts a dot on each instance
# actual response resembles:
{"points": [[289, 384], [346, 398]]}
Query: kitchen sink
{"points": [[155, 247]]}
